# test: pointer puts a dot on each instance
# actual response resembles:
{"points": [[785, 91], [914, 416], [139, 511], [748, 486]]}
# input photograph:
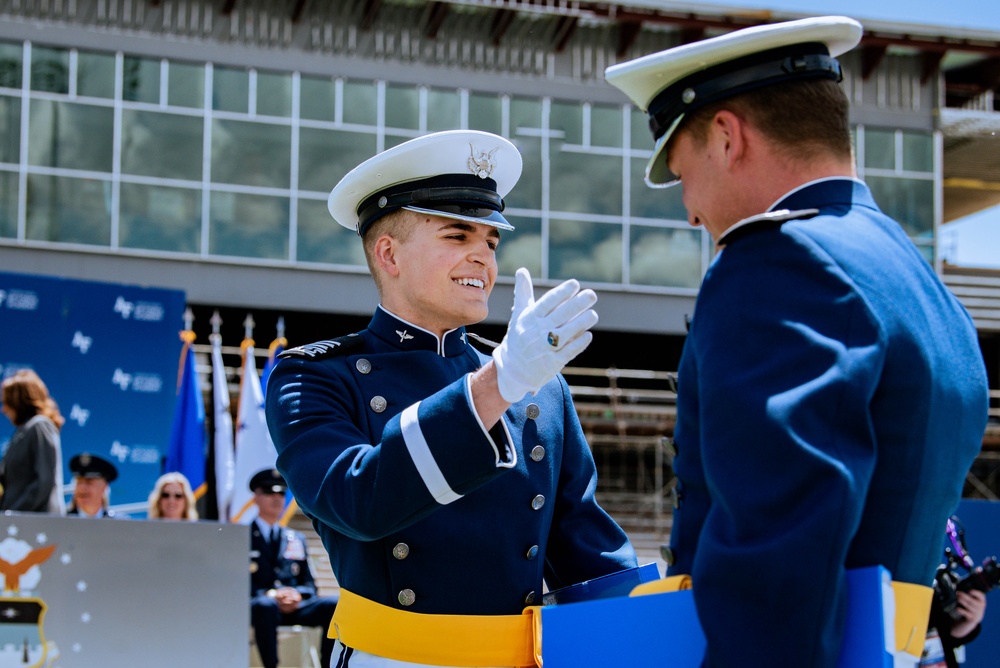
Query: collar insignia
{"points": [[481, 163], [403, 336]]}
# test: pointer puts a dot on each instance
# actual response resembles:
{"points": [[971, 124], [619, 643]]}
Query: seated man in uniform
{"points": [[282, 589], [92, 477], [447, 484]]}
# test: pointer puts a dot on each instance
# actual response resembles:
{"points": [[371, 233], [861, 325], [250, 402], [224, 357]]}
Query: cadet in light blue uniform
{"points": [[442, 481], [832, 394]]}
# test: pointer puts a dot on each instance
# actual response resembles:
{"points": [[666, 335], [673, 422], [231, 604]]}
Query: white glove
{"points": [[542, 336]]}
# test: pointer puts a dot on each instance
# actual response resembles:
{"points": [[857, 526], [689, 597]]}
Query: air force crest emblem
{"points": [[482, 163]]}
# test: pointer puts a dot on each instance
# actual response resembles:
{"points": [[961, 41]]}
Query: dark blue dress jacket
{"points": [[419, 507], [831, 397]]}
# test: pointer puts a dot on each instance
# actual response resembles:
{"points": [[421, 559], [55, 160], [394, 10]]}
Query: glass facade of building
{"points": [[147, 155]]}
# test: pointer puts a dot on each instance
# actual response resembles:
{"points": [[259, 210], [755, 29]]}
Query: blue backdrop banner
{"points": [[109, 356]]}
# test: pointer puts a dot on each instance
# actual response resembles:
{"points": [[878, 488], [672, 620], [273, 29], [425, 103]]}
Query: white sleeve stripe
{"points": [[420, 453]]}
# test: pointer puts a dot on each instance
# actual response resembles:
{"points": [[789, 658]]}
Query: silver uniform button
{"points": [[401, 551], [531, 553], [407, 597], [533, 411], [537, 453], [378, 403], [363, 365], [537, 502], [530, 598]]}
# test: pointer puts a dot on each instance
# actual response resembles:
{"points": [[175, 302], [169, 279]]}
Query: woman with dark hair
{"points": [[31, 470]]}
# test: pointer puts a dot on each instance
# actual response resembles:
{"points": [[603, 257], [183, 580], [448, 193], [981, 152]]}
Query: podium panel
{"points": [[83, 592]]}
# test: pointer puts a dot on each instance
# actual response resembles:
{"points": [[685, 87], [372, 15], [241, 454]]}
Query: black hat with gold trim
{"points": [[671, 84], [461, 174]]}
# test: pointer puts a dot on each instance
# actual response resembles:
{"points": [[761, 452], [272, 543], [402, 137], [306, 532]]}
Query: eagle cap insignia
{"points": [[482, 163]]}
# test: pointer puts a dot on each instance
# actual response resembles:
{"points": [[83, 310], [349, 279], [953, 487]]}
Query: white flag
{"points": [[224, 456], [254, 449]]}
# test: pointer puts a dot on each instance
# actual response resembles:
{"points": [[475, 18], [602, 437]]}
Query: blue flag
{"points": [[276, 348], [186, 452]]}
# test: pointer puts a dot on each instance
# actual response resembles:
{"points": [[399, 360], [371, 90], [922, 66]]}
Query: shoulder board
{"points": [[324, 349], [771, 220]]}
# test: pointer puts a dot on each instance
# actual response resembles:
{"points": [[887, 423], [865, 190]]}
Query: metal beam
{"points": [[227, 7], [369, 12], [565, 27], [871, 57], [297, 10], [501, 22], [436, 13], [628, 32]]}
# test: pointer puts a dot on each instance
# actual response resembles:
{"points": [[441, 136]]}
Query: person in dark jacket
{"points": [[31, 471], [282, 585]]}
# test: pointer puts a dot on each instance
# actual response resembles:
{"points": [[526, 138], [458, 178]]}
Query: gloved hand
{"points": [[543, 336]]}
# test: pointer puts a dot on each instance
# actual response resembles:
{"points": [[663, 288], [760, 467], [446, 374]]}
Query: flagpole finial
{"points": [[281, 327], [248, 324], [188, 318], [216, 321]]}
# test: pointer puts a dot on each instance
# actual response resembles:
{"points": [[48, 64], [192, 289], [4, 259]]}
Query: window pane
{"points": [[485, 113], [8, 205], [525, 113], [642, 138], [95, 75], [521, 247], [646, 202], [160, 218], [70, 135], [274, 94], [186, 85], [527, 194], [402, 107], [567, 118], [910, 202], [918, 152], [880, 148], [251, 154], [587, 251], [360, 101], [606, 126], [318, 99], [10, 129], [249, 226], [585, 183], [11, 59], [325, 156], [322, 239], [665, 256], [141, 80], [444, 110], [176, 141], [230, 89], [69, 210], [49, 70]]}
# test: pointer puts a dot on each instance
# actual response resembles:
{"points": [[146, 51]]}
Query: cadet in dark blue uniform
{"points": [[832, 394], [282, 589], [443, 482]]}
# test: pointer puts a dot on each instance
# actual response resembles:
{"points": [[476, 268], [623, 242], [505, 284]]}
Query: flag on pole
{"points": [[276, 348], [222, 433], [186, 452], [254, 449]]}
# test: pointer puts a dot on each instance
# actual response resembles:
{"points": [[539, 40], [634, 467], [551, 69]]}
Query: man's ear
{"points": [[384, 254], [729, 130]]}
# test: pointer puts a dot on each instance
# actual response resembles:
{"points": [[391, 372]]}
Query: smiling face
{"points": [[440, 278], [172, 501]]}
